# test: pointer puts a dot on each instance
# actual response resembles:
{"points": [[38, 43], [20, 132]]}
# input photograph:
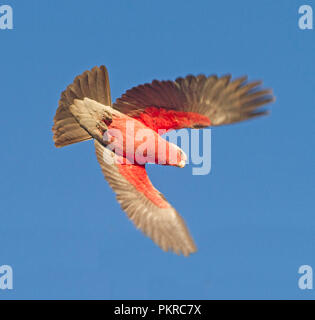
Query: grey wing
{"points": [[221, 100], [145, 205]]}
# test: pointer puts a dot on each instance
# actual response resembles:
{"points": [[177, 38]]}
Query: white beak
{"points": [[182, 164]]}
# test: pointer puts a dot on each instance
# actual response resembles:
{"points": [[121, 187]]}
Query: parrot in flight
{"points": [[85, 112]]}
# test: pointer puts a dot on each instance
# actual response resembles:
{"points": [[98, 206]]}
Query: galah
{"points": [[86, 112]]}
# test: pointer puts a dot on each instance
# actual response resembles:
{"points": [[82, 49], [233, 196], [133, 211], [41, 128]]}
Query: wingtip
{"points": [[187, 254], [186, 251]]}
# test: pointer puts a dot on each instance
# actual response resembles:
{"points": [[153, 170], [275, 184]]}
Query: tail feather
{"points": [[93, 84]]}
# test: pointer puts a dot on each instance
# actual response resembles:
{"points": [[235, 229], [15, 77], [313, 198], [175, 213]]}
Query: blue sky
{"points": [[252, 217]]}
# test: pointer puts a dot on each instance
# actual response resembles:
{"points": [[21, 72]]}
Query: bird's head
{"points": [[181, 157]]}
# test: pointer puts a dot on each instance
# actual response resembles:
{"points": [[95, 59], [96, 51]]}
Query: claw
{"points": [[107, 117], [101, 126]]}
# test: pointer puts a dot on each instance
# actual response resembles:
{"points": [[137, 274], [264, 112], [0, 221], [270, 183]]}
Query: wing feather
{"points": [[144, 204], [221, 100]]}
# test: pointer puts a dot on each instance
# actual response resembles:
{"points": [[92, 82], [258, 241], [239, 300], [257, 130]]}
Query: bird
{"points": [[85, 111]]}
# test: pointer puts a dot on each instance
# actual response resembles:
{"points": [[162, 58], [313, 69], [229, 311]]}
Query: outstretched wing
{"points": [[194, 102], [145, 205]]}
